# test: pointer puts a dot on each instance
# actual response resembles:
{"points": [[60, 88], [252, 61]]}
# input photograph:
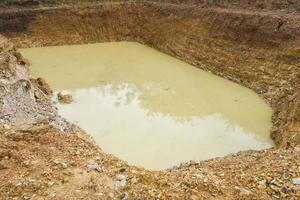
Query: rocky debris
{"points": [[296, 181], [134, 180], [121, 181], [42, 85], [242, 191], [124, 196], [23, 99], [43, 162], [286, 176], [64, 98], [93, 166], [121, 177]]}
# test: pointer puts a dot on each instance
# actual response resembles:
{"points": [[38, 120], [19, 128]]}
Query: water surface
{"points": [[151, 109]]}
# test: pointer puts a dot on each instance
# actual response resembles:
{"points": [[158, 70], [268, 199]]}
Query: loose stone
{"points": [[242, 191], [296, 181], [285, 176], [121, 177], [93, 166]]}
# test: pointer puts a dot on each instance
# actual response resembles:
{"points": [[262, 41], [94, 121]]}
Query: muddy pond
{"points": [[148, 108]]}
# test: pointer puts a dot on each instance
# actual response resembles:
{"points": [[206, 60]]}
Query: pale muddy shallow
{"points": [[151, 109]]}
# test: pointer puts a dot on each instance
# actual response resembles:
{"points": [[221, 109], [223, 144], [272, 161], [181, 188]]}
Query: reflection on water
{"points": [[122, 127], [150, 109]]}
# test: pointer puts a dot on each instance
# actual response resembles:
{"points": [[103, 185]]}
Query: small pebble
{"points": [[98, 157], [242, 191], [285, 176], [50, 183], [122, 181], [262, 184], [134, 180], [6, 126], [122, 170], [64, 165], [124, 197], [121, 177], [93, 166], [296, 181], [53, 194], [284, 189], [99, 194]]}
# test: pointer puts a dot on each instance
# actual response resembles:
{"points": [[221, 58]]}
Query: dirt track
{"points": [[43, 156]]}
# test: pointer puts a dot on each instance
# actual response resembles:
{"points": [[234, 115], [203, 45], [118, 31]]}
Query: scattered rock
{"points": [[276, 196], [242, 191], [64, 165], [64, 98], [50, 183], [100, 194], [296, 181], [274, 187], [122, 181], [124, 196], [134, 180], [121, 177], [53, 194], [122, 170], [284, 189], [285, 176], [262, 184], [42, 85], [93, 166], [26, 197], [98, 158]]}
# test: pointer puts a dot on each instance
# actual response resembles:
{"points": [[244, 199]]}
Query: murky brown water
{"points": [[150, 109]]}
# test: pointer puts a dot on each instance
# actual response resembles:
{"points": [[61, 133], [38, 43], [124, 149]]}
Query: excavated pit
{"points": [[148, 108], [256, 46]]}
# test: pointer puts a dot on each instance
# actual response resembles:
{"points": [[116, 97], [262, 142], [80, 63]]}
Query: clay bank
{"points": [[44, 153]]}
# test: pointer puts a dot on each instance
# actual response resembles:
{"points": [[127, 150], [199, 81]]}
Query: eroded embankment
{"points": [[251, 48]]}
